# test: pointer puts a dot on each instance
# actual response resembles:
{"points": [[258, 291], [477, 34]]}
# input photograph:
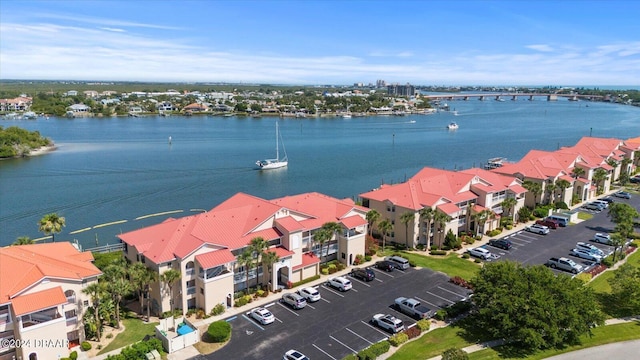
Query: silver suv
{"points": [[294, 300], [538, 229], [388, 323]]}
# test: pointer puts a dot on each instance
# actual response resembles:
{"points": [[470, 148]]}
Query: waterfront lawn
{"points": [[452, 264], [601, 283], [134, 330], [432, 344], [601, 336]]}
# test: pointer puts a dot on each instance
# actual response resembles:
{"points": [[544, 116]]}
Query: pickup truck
{"points": [[413, 308], [564, 264]]}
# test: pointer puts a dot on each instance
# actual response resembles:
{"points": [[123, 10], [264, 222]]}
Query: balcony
{"points": [[213, 272], [189, 271], [71, 299], [242, 276], [72, 321], [191, 290], [39, 317]]}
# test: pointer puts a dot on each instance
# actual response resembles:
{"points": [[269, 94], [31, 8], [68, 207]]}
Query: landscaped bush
{"points": [[460, 281], [138, 350], [423, 324], [367, 258], [440, 315], [358, 260], [308, 280], [542, 211], [413, 332], [244, 300], [351, 357], [438, 252], [466, 256], [494, 232], [608, 261], [561, 205], [412, 263], [477, 261], [324, 271], [73, 355], [524, 214], [398, 339], [218, 309], [332, 268], [199, 313], [455, 354], [85, 346], [219, 331]]}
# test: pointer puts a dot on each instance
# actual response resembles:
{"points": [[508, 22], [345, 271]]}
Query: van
{"points": [[601, 202], [400, 262], [561, 220]]}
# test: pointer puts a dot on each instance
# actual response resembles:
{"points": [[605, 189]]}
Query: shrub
{"points": [[351, 357], [308, 280], [438, 252], [412, 263], [494, 232], [466, 256], [218, 309], [380, 348], [608, 261], [73, 355], [420, 247], [240, 302], [85, 346], [477, 261], [423, 324], [413, 332], [460, 282], [398, 339], [560, 205], [324, 271], [359, 259], [367, 258], [219, 331], [524, 214], [109, 336], [440, 315], [199, 313], [455, 354], [366, 354]]}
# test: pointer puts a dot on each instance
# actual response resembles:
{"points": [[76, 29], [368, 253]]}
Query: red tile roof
{"points": [[25, 265], [308, 259], [353, 221], [290, 224], [215, 258], [40, 300], [448, 208], [281, 252]]}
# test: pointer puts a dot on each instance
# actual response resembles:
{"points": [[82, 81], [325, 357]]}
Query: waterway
{"points": [[109, 174]]}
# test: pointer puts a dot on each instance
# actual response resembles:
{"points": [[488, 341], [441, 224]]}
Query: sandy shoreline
{"points": [[42, 150]]}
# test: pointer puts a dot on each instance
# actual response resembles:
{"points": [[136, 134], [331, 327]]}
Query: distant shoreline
{"points": [[34, 152]]}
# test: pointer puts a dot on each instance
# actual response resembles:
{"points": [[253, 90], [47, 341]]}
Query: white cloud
{"points": [[540, 47], [112, 29]]}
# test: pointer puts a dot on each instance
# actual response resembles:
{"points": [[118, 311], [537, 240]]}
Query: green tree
{"points": [[625, 288], [426, 215], [534, 188], [385, 228], [23, 240], [321, 236], [245, 259], [531, 306], [268, 259], [257, 245], [480, 219], [562, 184], [119, 288], [333, 229], [372, 217], [509, 204], [441, 219], [599, 177], [577, 172], [142, 277], [550, 190], [96, 291], [168, 278], [455, 354], [407, 218], [51, 224]]}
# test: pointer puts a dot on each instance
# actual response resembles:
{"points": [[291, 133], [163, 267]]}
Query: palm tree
{"points": [[562, 184], [141, 278], [480, 218], [372, 217], [321, 236], [385, 228], [168, 278], [268, 259], [441, 219], [245, 259], [613, 163], [534, 188], [258, 245], [96, 291], [406, 218], [509, 204], [550, 189], [333, 229], [51, 224], [599, 176], [23, 240], [119, 288], [577, 172], [426, 215]]}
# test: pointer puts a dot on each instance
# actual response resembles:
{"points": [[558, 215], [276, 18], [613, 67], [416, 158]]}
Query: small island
{"points": [[17, 142]]}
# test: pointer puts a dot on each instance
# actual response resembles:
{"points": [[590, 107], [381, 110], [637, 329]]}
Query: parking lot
{"points": [[535, 249], [338, 324]]}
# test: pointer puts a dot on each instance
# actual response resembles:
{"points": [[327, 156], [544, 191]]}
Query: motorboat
{"points": [[452, 126], [277, 162]]}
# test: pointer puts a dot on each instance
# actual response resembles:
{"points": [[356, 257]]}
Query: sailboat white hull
{"points": [[271, 164]]}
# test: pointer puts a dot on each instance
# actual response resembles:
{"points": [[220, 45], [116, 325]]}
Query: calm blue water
{"points": [[116, 169]]}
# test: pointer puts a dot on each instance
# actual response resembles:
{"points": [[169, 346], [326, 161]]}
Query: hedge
{"points": [[219, 331], [373, 351], [423, 324], [302, 282], [86, 346], [398, 339], [138, 350]]}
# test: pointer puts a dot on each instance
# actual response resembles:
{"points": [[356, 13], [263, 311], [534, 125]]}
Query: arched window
{"points": [[190, 267], [71, 296], [33, 356]]}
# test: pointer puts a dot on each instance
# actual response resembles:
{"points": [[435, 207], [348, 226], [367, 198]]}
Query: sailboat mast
{"points": [[277, 152]]}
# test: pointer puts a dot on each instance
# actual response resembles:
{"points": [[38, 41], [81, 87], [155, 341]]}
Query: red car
{"points": [[548, 223]]}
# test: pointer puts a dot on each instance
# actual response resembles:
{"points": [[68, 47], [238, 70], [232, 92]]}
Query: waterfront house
{"points": [[21, 103], [41, 299], [205, 248], [460, 195], [78, 110]]}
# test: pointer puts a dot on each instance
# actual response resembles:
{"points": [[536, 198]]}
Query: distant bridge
{"points": [[513, 96]]}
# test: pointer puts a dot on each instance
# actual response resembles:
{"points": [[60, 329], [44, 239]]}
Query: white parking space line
{"points": [[289, 310], [253, 322], [376, 329], [449, 291], [278, 319], [376, 279], [325, 300], [440, 297], [335, 292], [343, 344], [310, 306], [354, 333], [425, 301], [382, 272], [324, 352], [360, 282], [269, 305]]}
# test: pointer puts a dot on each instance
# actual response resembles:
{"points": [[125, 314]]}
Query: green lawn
{"points": [[584, 215], [601, 335], [601, 283], [431, 344], [135, 330], [452, 264]]}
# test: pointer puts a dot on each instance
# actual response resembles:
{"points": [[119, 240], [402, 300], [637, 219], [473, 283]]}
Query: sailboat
{"points": [[276, 163]]}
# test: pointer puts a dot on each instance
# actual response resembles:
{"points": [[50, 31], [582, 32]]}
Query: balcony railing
{"points": [[191, 290], [40, 317], [5, 318], [213, 272], [189, 271], [72, 321], [71, 299], [242, 276]]}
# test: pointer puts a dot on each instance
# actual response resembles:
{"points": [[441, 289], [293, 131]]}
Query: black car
{"points": [[608, 199], [385, 265], [501, 243], [363, 274], [635, 180]]}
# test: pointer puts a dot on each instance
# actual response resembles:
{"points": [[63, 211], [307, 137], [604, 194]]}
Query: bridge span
{"points": [[513, 96]]}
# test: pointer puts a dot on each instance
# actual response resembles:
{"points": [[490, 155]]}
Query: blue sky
{"points": [[533, 42]]}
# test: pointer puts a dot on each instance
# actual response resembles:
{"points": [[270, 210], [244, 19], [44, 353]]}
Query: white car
{"points": [[590, 247], [309, 293], [602, 238], [341, 283], [538, 229], [294, 355], [262, 315], [388, 322], [480, 252], [586, 254]]}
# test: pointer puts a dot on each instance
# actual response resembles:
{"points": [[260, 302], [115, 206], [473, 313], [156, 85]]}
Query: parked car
{"points": [[622, 194], [635, 179], [294, 355], [310, 294], [363, 274], [548, 223], [537, 229], [602, 202], [585, 254], [608, 200], [399, 262], [590, 247], [564, 264], [294, 300], [501, 243], [388, 322], [602, 238], [480, 252], [593, 206], [341, 283], [385, 265], [262, 315]]}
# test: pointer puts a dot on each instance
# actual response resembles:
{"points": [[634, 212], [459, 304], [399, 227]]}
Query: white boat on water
{"points": [[452, 126], [276, 163], [346, 116]]}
